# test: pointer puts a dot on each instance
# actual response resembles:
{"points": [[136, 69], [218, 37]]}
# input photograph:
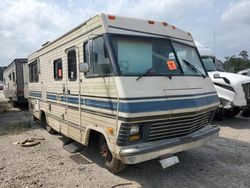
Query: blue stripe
{"points": [[167, 105], [137, 107], [37, 94]]}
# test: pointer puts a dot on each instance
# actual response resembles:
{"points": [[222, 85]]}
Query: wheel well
{"points": [[42, 115], [94, 137]]}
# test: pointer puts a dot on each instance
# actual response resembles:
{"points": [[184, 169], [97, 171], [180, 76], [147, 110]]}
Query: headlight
{"points": [[134, 129], [134, 134]]}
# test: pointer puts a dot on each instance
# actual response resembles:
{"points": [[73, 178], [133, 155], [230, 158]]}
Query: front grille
{"points": [[246, 88], [177, 127]]}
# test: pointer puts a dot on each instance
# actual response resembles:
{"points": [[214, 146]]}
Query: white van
{"points": [[232, 89], [136, 87]]}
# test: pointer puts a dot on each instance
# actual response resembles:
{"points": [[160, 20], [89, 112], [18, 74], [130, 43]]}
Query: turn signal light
{"points": [[173, 27], [110, 130], [151, 22], [111, 17], [164, 23]]}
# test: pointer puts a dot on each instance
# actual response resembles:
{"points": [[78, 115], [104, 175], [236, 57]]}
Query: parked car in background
{"points": [[15, 81]]}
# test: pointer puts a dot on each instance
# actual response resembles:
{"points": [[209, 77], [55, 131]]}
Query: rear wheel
{"points": [[113, 164], [46, 126]]}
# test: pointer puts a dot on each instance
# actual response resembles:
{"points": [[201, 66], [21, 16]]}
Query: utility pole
{"points": [[214, 42]]}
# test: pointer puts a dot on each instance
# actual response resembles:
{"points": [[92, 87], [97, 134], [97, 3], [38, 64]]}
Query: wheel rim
{"points": [[106, 153]]}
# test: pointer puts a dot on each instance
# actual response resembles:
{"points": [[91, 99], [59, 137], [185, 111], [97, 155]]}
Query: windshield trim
{"points": [[116, 68]]}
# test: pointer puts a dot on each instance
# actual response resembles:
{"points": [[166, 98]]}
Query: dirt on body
{"points": [[223, 162]]}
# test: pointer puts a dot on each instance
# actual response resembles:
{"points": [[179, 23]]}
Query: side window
{"points": [[9, 76], [72, 71], [58, 72], [99, 60], [33, 72], [13, 76]]}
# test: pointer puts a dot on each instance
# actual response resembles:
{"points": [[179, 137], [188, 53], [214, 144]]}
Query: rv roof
{"points": [[133, 26], [125, 25], [17, 60]]}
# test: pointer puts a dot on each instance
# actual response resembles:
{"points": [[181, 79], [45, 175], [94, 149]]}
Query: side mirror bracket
{"points": [[84, 67]]}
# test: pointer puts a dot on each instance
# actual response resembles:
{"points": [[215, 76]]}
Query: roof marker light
{"points": [[164, 23], [111, 17], [151, 22], [173, 27]]}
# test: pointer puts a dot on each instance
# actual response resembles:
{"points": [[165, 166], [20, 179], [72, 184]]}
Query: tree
{"points": [[235, 64], [244, 55]]}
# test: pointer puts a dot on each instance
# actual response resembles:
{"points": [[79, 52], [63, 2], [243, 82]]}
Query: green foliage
{"points": [[1, 72], [235, 64]]}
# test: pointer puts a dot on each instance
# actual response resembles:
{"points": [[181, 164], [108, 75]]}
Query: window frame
{"points": [[171, 40], [13, 76], [56, 78], [86, 59], [31, 69], [76, 71]]}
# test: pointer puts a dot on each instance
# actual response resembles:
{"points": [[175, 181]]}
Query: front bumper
{"points": [[151, 150]]}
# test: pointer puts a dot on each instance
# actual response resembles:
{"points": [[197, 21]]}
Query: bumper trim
{"points": [[151, 150]]}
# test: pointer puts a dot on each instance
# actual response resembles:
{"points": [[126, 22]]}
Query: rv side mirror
{"points": [[84, 67]]}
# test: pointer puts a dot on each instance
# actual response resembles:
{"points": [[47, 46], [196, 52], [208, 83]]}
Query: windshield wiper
{"points": [[190, 65], [143, 74]]}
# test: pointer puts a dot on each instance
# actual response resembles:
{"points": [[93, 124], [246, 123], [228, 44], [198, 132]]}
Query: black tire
{"points": [[219, 114], [46, 126], [113, 164], [232, 112], [246, 113]]}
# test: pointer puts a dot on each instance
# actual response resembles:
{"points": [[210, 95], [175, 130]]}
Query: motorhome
{"points": [[232, 89], [15, 81], [136, 87]]}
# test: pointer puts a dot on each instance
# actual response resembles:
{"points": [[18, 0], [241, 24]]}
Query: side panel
{"points": [[70, 106], [10, 85]]}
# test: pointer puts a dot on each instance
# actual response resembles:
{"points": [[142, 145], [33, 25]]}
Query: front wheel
{"points": [[232, 112], [113, 164]]}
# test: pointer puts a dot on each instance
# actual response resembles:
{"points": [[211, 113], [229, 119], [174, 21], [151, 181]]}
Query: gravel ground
{"points": [[224, 162]]}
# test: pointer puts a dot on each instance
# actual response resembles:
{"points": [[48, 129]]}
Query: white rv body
{"points": [[116, 104], [14, 81], [232, 89]]}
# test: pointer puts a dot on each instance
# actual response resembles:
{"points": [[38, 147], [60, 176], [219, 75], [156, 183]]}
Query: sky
{"points": [[221, 27]]}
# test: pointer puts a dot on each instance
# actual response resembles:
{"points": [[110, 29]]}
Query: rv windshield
{"points": [[209, 64], [140, 56], [189, 59]]}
